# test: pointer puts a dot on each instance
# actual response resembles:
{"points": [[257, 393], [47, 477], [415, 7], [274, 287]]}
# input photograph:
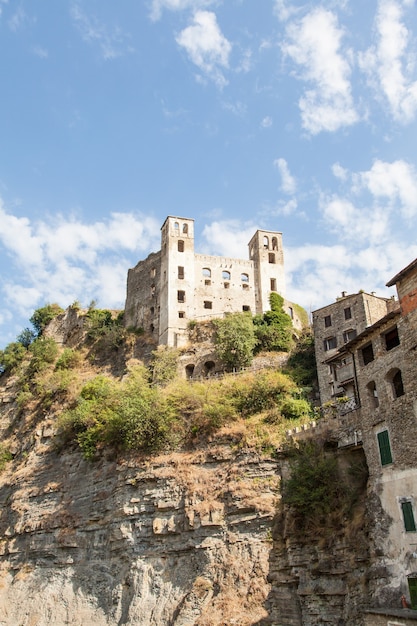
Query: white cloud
{"points": [[206, 46], [288, 184], [339, 171], [228, 238], [65, 259], [40, 52], [388, 64], [17, 19], [283, 11], [314, 43], [112, 43], [157, 6], [266, 122]]}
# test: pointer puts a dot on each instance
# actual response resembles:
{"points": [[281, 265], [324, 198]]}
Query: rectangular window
{"points": [[348, 335], [348, 313], [392, 339], [207, 282], [367, 354], [384, 447], [180, 296], [412, 588], [245, 307], [408, 516], [273, 284], [181, 314], [330, 343], [180, 245], [226, 285], [327, 321], [180, 272], [271, 257], [207, 304]]}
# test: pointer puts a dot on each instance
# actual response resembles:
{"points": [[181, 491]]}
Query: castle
{"points": [[175, 285]]}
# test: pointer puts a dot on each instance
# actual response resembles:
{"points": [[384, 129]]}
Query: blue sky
{"points": [[242, 114]]}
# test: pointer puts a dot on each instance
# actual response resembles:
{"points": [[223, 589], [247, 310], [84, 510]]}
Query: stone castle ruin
{"points": [[177, 285]]}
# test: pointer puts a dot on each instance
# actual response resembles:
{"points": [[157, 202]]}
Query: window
{"points": [[273, 284], [372, 393], [291, 312], [180, 272], [392, 339], [152, 310], [408, 515], [181, 314], [176, 226], [207, 272], [327, 321], [274, 243], [397, 385], [189, 370], [208, 304], [348, 335], [367, 354], [271, 257], [180, 245], [153, 272], [348, 313], [185, 228], [207, 282], [225, 275], [412, 588], [181, 296], [245, 307], [384, 447], [244, 278], [245, 286], [330, 343], [226, 285], [266, 243], [153, 288]]}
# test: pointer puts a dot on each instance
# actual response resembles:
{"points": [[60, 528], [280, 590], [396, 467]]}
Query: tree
{"points": [[26, 337], [274, 329], [235, 340], [41, 317], [11, 356]]}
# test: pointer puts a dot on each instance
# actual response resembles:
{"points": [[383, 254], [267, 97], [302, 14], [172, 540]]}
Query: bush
{"points": [[44, 351], [5, 457], [301, 365], [253, 394], [235, 340], [164, 365], [273, 330], [11, 357], [41, 317], [69, 359], [294, 408]]}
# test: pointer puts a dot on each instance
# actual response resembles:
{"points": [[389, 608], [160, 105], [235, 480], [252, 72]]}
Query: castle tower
{"points": [[266, 252], [177, 279]]}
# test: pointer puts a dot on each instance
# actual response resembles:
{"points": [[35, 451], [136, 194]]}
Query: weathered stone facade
{"points": [[176, 285], [336, 324], [382, 382]]}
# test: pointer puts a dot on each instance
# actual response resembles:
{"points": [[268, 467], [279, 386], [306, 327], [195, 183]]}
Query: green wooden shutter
{"points": [[412, 586], [408, 515], [384, 447]]}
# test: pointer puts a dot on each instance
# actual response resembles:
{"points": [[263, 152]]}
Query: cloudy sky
{"points": [[242, 114]]}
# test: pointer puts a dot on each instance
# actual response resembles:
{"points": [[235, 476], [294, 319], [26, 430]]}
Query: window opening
{"points": [[408, 516], [180, 245], [207, 304], [207, 282], [330, 343], [348, 335], [291, 312], [185, 228], [274, 243], [412, 588], [226, 285], [181, 314], [180, 272], [153, 288], [245, 307], [384, 447], [176, 226], [225, 275], [244, 278], [348, 313], [327, 321], [392, 339], [153, 272], [271, 257], [189, 370], [266, 243], [181, 296], [273, 284], [367, 354], [373, 393], [152, 310], [207, 272], [209, 367], [245, 286], [397, 384]]}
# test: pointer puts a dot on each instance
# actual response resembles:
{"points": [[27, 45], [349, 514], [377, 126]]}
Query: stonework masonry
{"points": [[176, 285]]}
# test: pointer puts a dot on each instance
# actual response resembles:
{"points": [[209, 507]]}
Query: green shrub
{"points": [[164, 365], [274, 329], [44, 351], [5, 457], [253, 394], [11, 357], [69, 359], [235, 340], [41, 317], [294, 408]]}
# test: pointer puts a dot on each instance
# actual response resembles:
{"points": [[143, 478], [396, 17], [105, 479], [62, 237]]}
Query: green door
{"points": [[412, 586]]}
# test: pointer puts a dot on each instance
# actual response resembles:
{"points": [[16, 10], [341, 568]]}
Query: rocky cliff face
{"points": [[191, 538]]}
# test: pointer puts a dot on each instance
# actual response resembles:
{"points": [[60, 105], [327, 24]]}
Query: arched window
{"points": [[206, 272], [185, 228], [209, 367], [189, 370], [274, 243], [395, 379], [176, 226], [225, 275], [372, 393], [266, 243], [244, 278]]}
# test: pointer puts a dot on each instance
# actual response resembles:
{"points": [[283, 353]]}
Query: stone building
{"points": [[383, 381], [176, 285], [335, 325]]}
